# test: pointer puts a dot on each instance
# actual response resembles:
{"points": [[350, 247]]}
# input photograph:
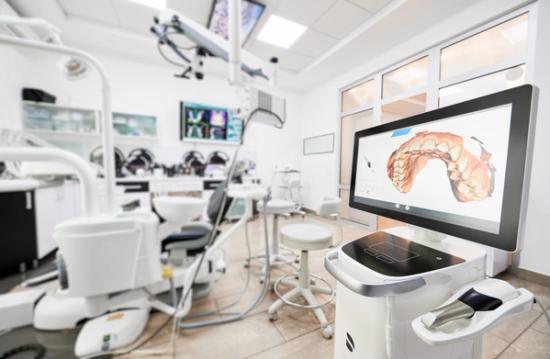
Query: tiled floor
{"points": [[296, 334]]}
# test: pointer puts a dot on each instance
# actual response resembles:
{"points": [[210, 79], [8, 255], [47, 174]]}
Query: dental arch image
{"points": [[471, 177]]}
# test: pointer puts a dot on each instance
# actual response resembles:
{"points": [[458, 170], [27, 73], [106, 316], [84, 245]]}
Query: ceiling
{"points": [[334, 39], [328, 21]]}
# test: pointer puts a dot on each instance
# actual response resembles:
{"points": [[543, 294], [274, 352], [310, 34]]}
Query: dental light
{"points": [[73, 68]]}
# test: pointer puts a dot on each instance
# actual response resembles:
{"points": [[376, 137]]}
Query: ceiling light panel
{"points": [[156, 4], [280, 32]]}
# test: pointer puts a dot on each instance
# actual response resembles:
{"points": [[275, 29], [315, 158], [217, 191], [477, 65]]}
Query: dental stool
{"points": [[275, 208], [304, 237]]}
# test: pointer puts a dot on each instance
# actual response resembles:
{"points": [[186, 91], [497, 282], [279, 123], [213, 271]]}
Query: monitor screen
{"points": [[457, 170], [203, 122], [251, 12]]}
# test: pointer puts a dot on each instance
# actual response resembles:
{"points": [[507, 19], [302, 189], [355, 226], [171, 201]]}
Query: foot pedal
{"points": [[111, 331]]}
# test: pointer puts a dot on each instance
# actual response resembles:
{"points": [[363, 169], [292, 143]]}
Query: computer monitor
{"points": [[200, 122], [459, 170]]}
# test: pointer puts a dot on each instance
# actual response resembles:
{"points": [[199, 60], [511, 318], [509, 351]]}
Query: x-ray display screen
{"points": [[203, 122], [451, 170], [458, 170]]}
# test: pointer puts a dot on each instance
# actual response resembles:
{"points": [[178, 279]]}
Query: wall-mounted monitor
{"points": [[458, 170], [200, 122], [251, 11]]}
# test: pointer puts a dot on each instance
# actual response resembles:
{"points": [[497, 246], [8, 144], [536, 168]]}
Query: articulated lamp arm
{"points": [[54, 46]]}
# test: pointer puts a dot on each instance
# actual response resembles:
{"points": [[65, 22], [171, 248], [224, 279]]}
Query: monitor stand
{"points": [[427, 236]]}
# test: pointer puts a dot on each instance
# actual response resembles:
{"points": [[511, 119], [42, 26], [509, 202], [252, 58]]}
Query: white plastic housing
{"points": [[179, 209], [364, 318], [16, 308], [106, 254], [482, 321], [111, 331]]}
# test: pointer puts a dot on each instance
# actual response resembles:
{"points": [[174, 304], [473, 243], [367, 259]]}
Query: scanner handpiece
{"points": [[486, 295]]}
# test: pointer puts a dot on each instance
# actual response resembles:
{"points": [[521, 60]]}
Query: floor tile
{"points": [[294, 322], [311, 345], [234, 340], [542, 325], [492, 346], [511, 329], [530, 345]]}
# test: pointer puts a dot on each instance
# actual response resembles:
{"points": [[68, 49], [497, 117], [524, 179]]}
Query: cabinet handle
{"points": [[28, 201]]}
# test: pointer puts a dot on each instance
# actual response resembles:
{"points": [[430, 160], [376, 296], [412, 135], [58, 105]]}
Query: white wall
{"points": [[11, 79], [320, 172], [536, 248], [152, 90], [320, 115]]}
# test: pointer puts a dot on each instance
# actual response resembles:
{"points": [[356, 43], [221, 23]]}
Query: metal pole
{"points": [[235, 42]]}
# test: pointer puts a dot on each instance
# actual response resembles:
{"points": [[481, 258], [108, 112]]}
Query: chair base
{"points": [[302, 287], [307, 294], [275, 260]]}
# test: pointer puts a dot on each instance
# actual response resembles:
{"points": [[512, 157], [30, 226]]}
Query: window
{"points": [[503, 42], [483, 85], [350, 125], [406, 78], [403, 108], [359, 96], [478, 63]]}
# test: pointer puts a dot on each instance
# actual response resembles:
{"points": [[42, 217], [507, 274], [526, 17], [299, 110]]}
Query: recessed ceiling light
{"points": [[156, 4], [280, 32]]}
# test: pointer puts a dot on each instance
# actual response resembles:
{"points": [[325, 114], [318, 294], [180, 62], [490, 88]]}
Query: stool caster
{"points": [[328, 332], [273, 316]]}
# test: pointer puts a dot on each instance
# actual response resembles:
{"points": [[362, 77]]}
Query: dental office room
{"points": [[274, 179]]}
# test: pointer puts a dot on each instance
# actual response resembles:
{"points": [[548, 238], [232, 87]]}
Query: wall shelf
{"points": [[73, 125]]}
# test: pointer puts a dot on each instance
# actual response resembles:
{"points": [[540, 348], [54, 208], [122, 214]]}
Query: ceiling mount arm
{"points": [[213, 44]]}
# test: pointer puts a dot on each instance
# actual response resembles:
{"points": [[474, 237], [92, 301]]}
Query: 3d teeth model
{"points": [[471, 178]]}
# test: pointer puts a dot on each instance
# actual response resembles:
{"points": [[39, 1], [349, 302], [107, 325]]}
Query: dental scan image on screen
{"points": [[451, 170]]}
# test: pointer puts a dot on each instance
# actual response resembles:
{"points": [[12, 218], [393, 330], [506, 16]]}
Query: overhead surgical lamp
{"points": [[73, 68]]}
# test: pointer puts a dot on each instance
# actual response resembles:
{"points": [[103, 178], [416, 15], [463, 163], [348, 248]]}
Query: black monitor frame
{"points": [[517, 167]]}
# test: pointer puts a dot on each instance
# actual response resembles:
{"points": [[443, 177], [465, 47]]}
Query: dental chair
{"points": [[185, 242]]}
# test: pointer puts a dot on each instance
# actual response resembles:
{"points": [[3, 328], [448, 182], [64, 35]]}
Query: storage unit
{"points": [[29, 211]]}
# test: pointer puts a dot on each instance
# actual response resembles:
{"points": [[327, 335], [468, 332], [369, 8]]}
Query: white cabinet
{"points": [[53, 205]]}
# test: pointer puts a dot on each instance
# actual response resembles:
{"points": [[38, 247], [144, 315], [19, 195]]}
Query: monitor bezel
{"points": [[517, 160]]}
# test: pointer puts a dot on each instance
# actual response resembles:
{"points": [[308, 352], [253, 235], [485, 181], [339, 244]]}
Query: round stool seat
{"points": [[305, 237], [275, 206]]}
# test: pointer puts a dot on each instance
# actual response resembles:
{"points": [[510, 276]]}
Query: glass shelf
{"points": [[48, 117], [126, 124]]}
